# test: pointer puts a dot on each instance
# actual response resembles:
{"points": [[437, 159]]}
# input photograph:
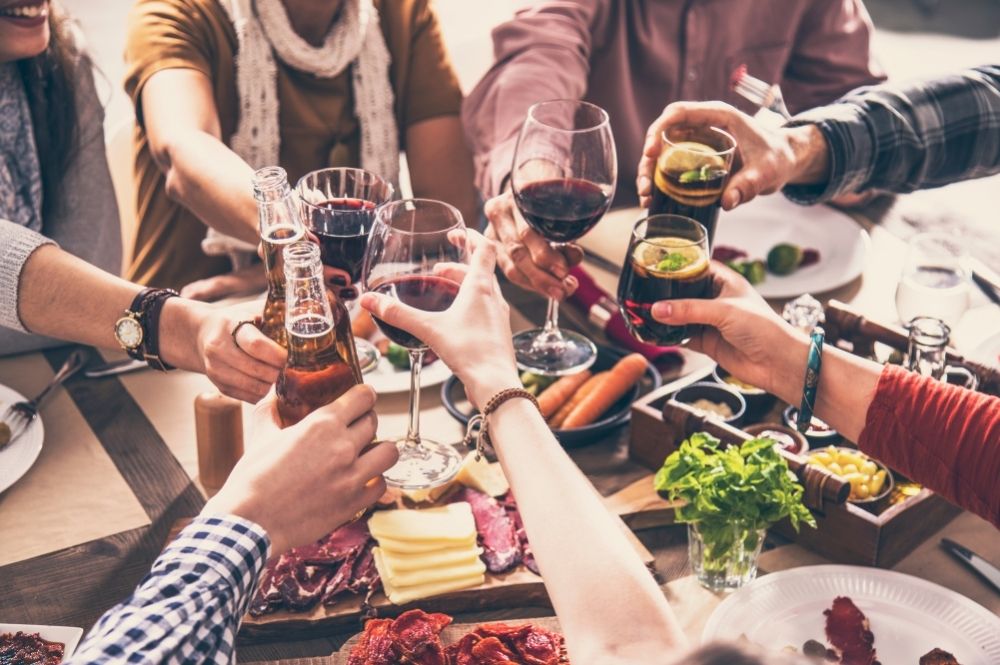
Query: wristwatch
{"points": [[129, 330], [138, 330]]}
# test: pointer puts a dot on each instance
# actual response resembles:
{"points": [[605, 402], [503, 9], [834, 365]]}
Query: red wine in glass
{"points": [[562, 209], [338, 248], [429, 293]]}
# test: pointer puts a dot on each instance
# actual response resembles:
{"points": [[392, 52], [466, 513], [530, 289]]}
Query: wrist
{"points": [[180, 323], [489, 383], [811, 154], [224, 506], [790, 368]]}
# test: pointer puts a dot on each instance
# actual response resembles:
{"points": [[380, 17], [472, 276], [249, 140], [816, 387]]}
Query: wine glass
{"points": [[563, 179], [935, 280], [409, 240], [339, 207]]}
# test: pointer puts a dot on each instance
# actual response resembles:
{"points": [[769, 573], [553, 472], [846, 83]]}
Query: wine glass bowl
{"points": [[563, 181], [409, 242]]}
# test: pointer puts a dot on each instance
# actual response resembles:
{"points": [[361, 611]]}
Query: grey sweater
{"points": [[84, 222]]}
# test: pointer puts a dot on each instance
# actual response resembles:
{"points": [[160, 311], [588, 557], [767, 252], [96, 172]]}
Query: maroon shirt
{"points": [[633, 57]]}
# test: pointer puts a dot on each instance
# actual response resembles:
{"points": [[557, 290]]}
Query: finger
{"points": [[372, 492], [347, 408], [377, 460], [744, 186], [483, 261], [261, 348], [237, 383], [396, 313], [456, 272], [543, 254], [572, 253], [512, 272], [535, 278], [335, 277], [678, 312], [246, 366], [362, 431], [264, 416]]}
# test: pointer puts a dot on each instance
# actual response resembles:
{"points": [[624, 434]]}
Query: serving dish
{"points": [[799, 445], [457, 404], [758, 400], [816, 434], [718, 393], [69, 636], [19, 456]]}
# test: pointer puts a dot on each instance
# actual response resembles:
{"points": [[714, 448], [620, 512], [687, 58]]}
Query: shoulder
{"points": [[402, 19], [198, 19]]}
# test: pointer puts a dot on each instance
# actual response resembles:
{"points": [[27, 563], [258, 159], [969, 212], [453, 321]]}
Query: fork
{"points": [[759, 92], [20, 415]]}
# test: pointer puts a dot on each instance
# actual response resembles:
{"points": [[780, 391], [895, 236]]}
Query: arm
{"points": [[440, 165], [202, 173], [562, 513], [941, 436], [189, 607], [62, 296]]}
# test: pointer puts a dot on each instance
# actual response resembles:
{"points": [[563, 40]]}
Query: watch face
{"points": [[129, 332]]}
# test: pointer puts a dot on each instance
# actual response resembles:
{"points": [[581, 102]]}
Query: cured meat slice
{"points": [[417, 637], [527, 556], [497, 535], [303, 588], [531, 644], [375, 645], [460, 653], [491, 651], [17, 648], [938, 657], [339, 582], [847, 629]]}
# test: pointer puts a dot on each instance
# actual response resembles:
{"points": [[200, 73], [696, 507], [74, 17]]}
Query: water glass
{"points": [[935, 280]]}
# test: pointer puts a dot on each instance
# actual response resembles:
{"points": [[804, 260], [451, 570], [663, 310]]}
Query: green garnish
{"points": [[673, 262], [748, 486], [398, 356], [704, 174]]}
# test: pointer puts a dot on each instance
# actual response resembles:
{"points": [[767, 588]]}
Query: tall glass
{"points": [[409, 240], [563, 179], [667, 259], [935, 279], [339, 207], [691, 172]]}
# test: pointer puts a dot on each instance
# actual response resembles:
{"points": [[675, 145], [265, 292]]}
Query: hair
{"points": [[49, 81]]}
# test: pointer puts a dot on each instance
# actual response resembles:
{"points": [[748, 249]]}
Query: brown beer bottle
{"points": [[322, 363], [280, 225]]}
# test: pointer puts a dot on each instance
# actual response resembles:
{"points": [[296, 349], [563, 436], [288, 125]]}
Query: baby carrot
{"points": [[560, 392], [619, 381], [555, 422]]}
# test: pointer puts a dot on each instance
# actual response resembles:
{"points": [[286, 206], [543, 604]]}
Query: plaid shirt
{"points": [[899, 138], [188, 609]]}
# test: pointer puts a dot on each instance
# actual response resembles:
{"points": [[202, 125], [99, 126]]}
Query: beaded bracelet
{"points": [[813, 366], [482, 436]]}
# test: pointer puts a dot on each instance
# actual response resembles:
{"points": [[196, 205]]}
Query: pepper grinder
{"points": [[219, 429]]}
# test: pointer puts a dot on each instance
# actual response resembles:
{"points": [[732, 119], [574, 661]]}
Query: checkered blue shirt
{"points": [[188, 609], [902, 137]]}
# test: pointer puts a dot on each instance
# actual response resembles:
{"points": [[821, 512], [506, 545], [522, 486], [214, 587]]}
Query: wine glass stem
{"points": [[551, 326], [413, 427]]}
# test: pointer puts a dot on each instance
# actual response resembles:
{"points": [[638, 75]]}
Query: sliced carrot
{"points": [[560, 392], [363, 327], [625, 374], [555, 422]]}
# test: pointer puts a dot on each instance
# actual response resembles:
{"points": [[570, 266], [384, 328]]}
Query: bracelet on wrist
{"points": [[477, 431], [814, 363]]}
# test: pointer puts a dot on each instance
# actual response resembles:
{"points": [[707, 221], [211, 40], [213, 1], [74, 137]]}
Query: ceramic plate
{"points": [[387, 379], [763, 223], [17, 458], [988, 352], [68, 635], [908, 616]]}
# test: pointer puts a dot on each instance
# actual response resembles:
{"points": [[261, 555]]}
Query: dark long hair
{"points": [[49, 80]]}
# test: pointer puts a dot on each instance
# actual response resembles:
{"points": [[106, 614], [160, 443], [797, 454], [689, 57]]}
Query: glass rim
{"points": [[644, 220], [713, 128], [602, 114], [382, 210], [299, 185], [942, 331]]}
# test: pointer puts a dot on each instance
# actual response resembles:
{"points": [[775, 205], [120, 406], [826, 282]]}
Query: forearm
{"points": [[441, 165], [575, 539], [62, 296], [189, 607]]}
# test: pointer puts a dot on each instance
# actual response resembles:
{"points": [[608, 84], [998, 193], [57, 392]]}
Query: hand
{"points": [[525, 257], [251, 279], [473, 336], [743, 333], [769, 159], [304, 481], [244, 368]]}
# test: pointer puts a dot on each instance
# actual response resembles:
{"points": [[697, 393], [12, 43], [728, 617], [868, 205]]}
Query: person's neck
{"points": [[311, 19]]}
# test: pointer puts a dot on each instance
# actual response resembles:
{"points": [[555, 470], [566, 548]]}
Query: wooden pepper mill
{"points": [[219, 427]]}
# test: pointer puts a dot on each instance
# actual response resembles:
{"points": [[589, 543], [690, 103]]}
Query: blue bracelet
{"points": [[813, 366]]}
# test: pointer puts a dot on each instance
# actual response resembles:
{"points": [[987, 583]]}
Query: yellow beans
{"points": [[864, 475]]}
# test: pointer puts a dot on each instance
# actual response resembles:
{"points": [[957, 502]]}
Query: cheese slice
{"points": [[402, 562], [448, 524], [414, 547], [423, 577], [403, 595], [483, 476]]}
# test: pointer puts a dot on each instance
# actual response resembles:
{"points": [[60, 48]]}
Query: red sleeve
{"points": [[939, 435]]}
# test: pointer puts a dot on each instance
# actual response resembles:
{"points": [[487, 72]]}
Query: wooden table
{"points": [[75, 585]]}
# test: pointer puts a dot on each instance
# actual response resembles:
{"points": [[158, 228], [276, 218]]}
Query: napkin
{"points": [[590, 296]]}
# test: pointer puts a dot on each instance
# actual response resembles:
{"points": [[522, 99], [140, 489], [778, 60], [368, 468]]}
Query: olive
{"points": [[784, 258]]}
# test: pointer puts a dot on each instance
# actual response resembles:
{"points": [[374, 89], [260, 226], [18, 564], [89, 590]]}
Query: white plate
{"points": [[988, 351], [908, 616], [68, 635], [763, 223], [17, 458], [387, 379]]}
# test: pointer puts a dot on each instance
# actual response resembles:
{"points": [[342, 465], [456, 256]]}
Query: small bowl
{"points": [[816, 437], [799, 443], [758, 400], [872, 503], [714, 392]]}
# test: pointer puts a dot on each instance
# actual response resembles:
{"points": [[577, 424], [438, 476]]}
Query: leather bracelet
{"points": [[481, 439], [813, 366], [151, 328]]}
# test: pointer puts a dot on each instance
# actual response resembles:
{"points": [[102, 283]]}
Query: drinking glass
{"points": [[667, 259], [935, 279], [339, 207], [927, 346], [563, 179], [409, 239]]}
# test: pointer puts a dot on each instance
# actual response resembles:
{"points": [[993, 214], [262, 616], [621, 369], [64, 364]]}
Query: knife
{"points": [[111, 369], [984, 568]]}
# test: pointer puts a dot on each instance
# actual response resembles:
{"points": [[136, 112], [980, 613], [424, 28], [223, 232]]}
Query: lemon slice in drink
{"points": [[671, 257], [690, 156]]}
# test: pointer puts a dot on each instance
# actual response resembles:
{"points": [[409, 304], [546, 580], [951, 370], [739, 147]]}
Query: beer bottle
{"points": [[322, 363], [280, 225]]}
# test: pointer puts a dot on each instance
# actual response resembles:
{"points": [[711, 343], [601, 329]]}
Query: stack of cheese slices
{"points": [[426, 552]]}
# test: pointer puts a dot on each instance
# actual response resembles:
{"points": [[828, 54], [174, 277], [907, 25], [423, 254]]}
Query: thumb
{"points": [[680, 312], [264, 418], [394, 312], [484, 259]]}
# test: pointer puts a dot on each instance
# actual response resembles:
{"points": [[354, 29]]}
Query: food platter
{"points": [[765, 222], [908, 616], [20, 455], [68, 636]]}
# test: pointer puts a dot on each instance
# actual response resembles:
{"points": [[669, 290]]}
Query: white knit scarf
{"points": [[355, 40]]}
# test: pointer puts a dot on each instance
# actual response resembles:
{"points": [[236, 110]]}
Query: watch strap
{"points": [[151, 328]]}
